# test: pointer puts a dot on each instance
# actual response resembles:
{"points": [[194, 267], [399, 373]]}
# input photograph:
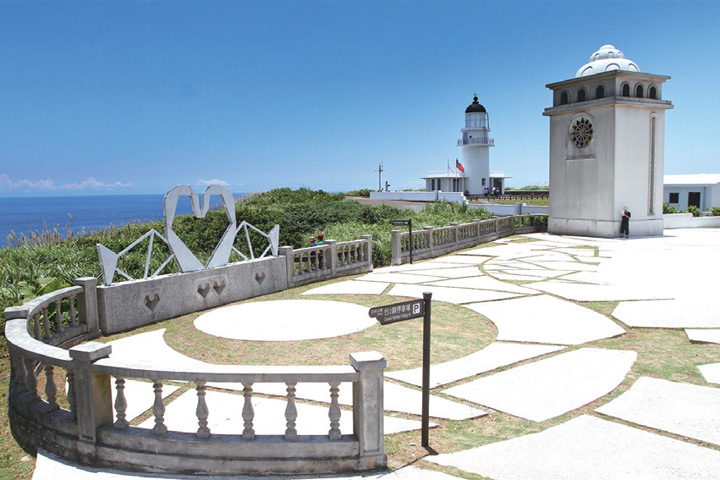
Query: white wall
{"points": [[456, 197]]}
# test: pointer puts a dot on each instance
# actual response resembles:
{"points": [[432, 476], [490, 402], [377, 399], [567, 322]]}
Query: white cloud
{"points": [[48, 185], [214, 181]]}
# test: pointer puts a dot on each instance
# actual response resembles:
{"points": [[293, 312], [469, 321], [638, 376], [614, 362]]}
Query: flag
{"points": [[459, 166]]}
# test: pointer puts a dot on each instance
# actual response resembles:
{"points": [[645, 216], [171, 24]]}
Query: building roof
{"points": [[444, 174], [475, 107], [700, 179], [607, 58]]}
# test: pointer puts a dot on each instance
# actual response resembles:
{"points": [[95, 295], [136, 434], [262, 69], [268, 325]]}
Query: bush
{"points": [[363, 192], [715, 212], [668, 209], [696, 212]]}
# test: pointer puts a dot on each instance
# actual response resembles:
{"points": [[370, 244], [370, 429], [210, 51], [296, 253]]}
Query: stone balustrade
{"points": [[330, 260], [433, 242], [86, 426]]}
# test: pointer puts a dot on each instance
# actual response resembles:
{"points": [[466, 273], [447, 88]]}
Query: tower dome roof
{"points": [[607, 58], [475, 107]]}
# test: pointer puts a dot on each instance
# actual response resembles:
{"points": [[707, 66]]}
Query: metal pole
{"points": [[411, 239], [425, 442]]}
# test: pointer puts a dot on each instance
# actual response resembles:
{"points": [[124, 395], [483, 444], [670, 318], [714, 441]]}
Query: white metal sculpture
{"points": [[187, 261]]}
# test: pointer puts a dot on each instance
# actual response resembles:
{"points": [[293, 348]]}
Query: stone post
{"points": [[428, 232], [93, 395], [368, 251], [368, 402], [455, 231], [396, 255], [333, 256], [88, 303], [520, 207], [287, 252]]}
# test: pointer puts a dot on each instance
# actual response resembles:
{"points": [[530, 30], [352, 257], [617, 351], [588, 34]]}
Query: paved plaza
{"points": [[542, 365]]}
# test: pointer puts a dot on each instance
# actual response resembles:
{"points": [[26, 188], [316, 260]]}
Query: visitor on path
{"points": [[320, 239], [625, 223], [313, 262]]}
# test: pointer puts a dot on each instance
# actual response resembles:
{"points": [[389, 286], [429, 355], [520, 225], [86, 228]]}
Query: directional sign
{"points": [[397, 312], [400, 223]]}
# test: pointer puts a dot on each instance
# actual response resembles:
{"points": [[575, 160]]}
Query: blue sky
{"points": [[137, 97]]}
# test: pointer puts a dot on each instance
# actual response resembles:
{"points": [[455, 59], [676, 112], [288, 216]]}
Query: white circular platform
{"points": [[285, 320]]}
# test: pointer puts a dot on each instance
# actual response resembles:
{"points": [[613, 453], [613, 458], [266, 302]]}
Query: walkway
{"points": [[545, 363]]}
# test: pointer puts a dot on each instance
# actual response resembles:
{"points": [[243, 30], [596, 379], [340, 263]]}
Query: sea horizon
{"points": [[24, 214]]}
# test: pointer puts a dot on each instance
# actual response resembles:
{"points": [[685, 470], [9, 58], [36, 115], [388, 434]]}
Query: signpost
{"points": [[398, 312], [405, 223]]}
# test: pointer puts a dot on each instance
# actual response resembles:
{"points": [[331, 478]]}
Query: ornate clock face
{"points": [[581, 132]]}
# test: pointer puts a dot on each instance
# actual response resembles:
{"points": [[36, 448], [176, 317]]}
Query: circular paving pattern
{"points": [[285, 320]]}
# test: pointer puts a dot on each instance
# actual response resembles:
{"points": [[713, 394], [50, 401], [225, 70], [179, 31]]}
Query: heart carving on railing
{"points": [[187, 261]]}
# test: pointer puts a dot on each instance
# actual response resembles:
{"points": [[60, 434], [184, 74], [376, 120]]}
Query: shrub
{"points": [[669, 209], [696, 212]]}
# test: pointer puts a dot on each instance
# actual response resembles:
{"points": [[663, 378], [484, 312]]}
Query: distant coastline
{"points": [[92, 212]]}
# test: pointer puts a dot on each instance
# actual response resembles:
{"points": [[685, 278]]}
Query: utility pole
{"points": [[379, 170]]}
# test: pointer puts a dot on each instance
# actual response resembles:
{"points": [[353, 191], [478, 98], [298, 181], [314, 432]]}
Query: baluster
{"points": [[71, 392], [36, 326], [120, 404], [46, 323], [21, 370], [159, 409], [50, 388], [73, 313], [334, 413], [59, 327], [290, 412], [248, 414], [202, 412], [31, 377]]}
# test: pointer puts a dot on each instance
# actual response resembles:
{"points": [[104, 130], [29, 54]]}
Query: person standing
{"points": [[625, 223]]}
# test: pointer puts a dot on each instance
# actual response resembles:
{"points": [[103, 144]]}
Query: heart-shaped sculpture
{"points": [[187, 261]]}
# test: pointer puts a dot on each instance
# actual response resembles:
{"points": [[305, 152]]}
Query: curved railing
{"points": [[432, 242], [85, 425]]}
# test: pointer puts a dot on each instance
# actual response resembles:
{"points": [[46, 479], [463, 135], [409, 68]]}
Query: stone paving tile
{"points": [[484, 283], [149, 347], [507, 251], [586, 277], [669, 314], [421, 265], [495, 355], [551, 387], [588, 448], [285, 320], [448, 294], [399, 278], [397, 399], [689, 410], [226, 416], [596, 293], [711, 372], [460, 272], [702, 335], [349, 287], [537, 273], [570, 266], [502, 275], [461, 259], [50, 467], [577, 252], [545, 319]]}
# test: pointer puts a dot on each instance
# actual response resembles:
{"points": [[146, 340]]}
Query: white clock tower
{"points": [[607, 137]]}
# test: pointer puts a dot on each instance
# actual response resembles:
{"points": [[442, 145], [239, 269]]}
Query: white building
{"points": [[607, 138], [477, 178], [702, 191]]}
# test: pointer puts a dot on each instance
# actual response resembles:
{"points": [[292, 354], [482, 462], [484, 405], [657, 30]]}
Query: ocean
{"points": [[24, 214]]}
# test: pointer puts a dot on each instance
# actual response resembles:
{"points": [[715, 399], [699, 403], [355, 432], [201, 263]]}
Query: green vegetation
{"points": [[30, 270], [363, 192], [531, 187]]}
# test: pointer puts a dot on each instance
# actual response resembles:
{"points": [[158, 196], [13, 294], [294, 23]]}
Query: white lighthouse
{"points": [[472, 174], [475, 144]]}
